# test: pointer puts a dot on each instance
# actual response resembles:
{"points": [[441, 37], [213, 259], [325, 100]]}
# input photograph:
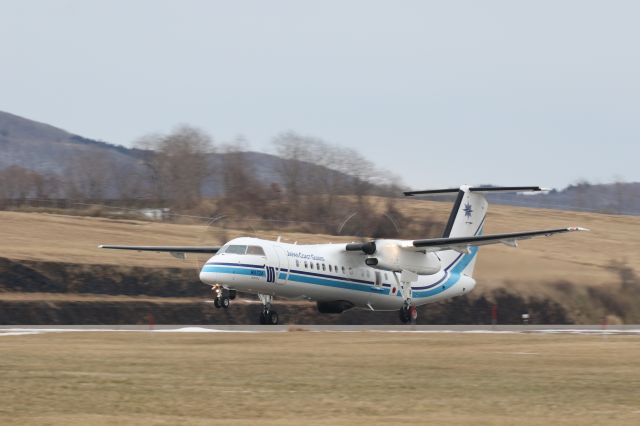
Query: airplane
{"points": [[376, 275]]}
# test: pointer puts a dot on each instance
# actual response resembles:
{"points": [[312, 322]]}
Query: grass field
{"points": [[319, 378], [581, 258]]}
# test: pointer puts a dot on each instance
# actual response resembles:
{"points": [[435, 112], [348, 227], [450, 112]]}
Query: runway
{"points": [[628, 329]]}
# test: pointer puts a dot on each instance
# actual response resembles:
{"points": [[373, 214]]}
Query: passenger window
{"points": [[350, 270], [256, 250], [335, 268], [318, 266], [236, 250], [297, 263], [311, 265], [306, 265], [330, 268], [343, 271], [324, 268]]}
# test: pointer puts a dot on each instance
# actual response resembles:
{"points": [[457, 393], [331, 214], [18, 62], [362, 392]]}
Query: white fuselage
{"points": [[326, 272]]}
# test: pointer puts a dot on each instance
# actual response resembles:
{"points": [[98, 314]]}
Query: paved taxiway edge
{"points": [[549, 328]]}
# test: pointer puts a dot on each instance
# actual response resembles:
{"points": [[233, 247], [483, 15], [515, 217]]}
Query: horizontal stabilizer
{"points": [[463, 243], [481, 189]]}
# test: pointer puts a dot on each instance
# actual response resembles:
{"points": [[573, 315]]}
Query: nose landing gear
{"points": [[222, 296]]}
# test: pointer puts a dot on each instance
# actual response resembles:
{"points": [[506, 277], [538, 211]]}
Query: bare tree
{"points": [[243, 192], [88, 176], [179, 164], [294, 150]]}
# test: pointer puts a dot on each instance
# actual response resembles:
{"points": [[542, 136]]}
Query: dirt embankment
{"points": [[59, 293]]}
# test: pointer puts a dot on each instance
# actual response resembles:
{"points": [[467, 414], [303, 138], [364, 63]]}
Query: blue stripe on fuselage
{"points": [[301, 277], [453, 275], [233, 270]]}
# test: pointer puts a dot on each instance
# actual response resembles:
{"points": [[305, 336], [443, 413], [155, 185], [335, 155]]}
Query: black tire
{"points": [[273, 318], [216, 302], [263, 318], [405, 316], [224, 302]]}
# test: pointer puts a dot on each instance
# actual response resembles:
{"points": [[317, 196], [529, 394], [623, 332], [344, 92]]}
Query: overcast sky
{"points": [[440, 93]]}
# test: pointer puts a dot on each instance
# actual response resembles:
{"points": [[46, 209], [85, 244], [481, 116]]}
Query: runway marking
{"points": [[200, 330]]}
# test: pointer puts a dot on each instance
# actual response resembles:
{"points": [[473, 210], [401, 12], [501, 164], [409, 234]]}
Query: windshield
{"points": [[236, 249], [255, 250], [239, 249]]}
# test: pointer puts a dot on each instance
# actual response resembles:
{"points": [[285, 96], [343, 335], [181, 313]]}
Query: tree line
{"points": [[308, 185]]}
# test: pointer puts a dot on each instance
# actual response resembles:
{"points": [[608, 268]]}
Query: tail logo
{"points": [[467, 210]]}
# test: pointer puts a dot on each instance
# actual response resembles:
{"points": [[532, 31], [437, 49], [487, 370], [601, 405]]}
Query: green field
{"points": [[319, 378]]}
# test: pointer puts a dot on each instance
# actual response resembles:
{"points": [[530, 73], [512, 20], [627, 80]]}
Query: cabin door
{"points": [[282, 270]]}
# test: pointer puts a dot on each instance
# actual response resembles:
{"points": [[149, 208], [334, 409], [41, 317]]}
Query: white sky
{"points": [[440, 93]]}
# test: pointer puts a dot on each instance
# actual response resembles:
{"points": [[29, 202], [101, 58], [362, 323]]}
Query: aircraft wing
{"points": [[462, 244], [167, 249]]}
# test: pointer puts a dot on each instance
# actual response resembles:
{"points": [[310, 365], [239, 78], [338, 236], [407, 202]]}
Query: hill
{"points": [[79, 163], [49, 150]]}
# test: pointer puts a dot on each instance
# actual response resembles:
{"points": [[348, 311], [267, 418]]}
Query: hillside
{"points": [[46, 149], [77, 161]]}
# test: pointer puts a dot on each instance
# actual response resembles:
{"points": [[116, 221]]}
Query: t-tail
{"points": [[467, 219]]}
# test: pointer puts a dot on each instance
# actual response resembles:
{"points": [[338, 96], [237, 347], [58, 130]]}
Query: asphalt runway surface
{"points": [[628, 329]]}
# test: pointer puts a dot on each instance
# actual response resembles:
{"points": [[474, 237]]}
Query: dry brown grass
{"points": [[580, 257], [319, 378]]}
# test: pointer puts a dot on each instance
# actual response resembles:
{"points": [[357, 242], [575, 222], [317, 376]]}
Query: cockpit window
{"points": [[236, 249], [256, 250]]}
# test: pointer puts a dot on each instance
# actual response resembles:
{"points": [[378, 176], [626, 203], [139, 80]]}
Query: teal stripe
{"points": [[454, 276], [338, 284], [232, 270]]}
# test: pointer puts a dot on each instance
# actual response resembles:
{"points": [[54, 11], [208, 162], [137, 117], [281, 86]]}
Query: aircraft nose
{"points": [[208, 273]]}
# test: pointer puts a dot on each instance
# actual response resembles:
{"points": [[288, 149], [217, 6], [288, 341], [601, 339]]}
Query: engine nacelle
{"points": [[390, 257]]}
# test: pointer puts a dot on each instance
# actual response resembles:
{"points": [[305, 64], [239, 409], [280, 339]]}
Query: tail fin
{"points": [[467, 219]]}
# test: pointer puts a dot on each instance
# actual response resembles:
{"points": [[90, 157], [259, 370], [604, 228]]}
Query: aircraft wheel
{"points": [[216, 302], [224, 302], [413, 314], [405, 315], [263, 317], [273, 317]]}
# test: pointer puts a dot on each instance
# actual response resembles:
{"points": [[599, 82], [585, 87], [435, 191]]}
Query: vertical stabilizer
{"points": [[467, 219]]}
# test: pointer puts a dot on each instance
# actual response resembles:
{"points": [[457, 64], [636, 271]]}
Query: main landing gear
{"points": [[267, 316], [222, 296], [408, 314]]}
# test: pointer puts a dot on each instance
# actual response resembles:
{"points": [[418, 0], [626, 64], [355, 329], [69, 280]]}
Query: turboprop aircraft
{"points": [[381, 274]]}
